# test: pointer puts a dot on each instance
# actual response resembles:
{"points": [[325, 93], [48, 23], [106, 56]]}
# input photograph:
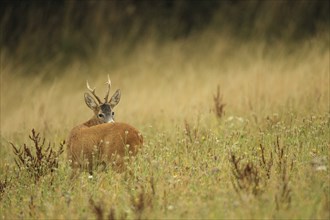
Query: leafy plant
{"points": [[37, 159], [251, 176], [246, 176]]}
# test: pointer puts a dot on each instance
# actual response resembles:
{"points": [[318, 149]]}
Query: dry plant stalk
{"points": [[138, 202], [265, 163], [3, 185], [219, 106], [112, 214], [97, 209], [141, 198], [283, 197], [190, 131], [246, 177], [251, 177], [141, 201], [32, 207], [40, 161]]}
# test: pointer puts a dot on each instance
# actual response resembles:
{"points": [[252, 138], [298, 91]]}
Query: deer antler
{"points": [[93, 92], [109, 86]]}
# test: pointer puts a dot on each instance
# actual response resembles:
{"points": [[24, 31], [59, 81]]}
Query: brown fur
{"points": [[92, 143]]}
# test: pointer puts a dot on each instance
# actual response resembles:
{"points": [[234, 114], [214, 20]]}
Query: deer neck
{"points": [[92, 122]]}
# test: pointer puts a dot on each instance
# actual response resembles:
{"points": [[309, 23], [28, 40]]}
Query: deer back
{"points": [[103, 142]]}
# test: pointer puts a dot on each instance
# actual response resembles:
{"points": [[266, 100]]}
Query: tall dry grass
{"points": [[276, 96], [163, 85], [267, 156]]}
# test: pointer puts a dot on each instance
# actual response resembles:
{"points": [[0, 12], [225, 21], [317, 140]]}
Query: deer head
{"points": [[103, 111]]}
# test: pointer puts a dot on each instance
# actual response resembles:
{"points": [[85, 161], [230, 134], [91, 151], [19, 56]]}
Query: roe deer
{"points": [[100, 140]]}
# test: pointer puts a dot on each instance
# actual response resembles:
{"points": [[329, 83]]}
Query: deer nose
{"points": [[111, 120]]}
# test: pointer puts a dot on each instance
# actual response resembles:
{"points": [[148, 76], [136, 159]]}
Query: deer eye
{"points": [[113, 113], [101, 115]]}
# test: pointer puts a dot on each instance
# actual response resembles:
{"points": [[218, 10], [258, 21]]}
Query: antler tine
{"points": [[109, 86], [93, 92]]}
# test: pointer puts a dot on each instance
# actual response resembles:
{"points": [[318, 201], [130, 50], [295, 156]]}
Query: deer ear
{"points": [[90, 102], [115, 99]]}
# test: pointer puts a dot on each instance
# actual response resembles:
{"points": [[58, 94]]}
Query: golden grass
{"points": [[167, 93], [169, 83]]}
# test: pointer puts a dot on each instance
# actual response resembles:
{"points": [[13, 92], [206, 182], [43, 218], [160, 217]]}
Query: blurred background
{"points": [[35, 33], [167, 56]]}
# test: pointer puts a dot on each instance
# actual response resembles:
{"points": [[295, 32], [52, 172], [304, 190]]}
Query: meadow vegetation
{"points": [[232, 129]]}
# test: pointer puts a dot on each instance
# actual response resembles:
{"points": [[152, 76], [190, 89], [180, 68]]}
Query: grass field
{"points": [[267, 156]]}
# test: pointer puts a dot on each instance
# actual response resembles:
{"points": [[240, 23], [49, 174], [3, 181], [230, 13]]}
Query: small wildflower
{"points": [[230, 118], [170, 207]]}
